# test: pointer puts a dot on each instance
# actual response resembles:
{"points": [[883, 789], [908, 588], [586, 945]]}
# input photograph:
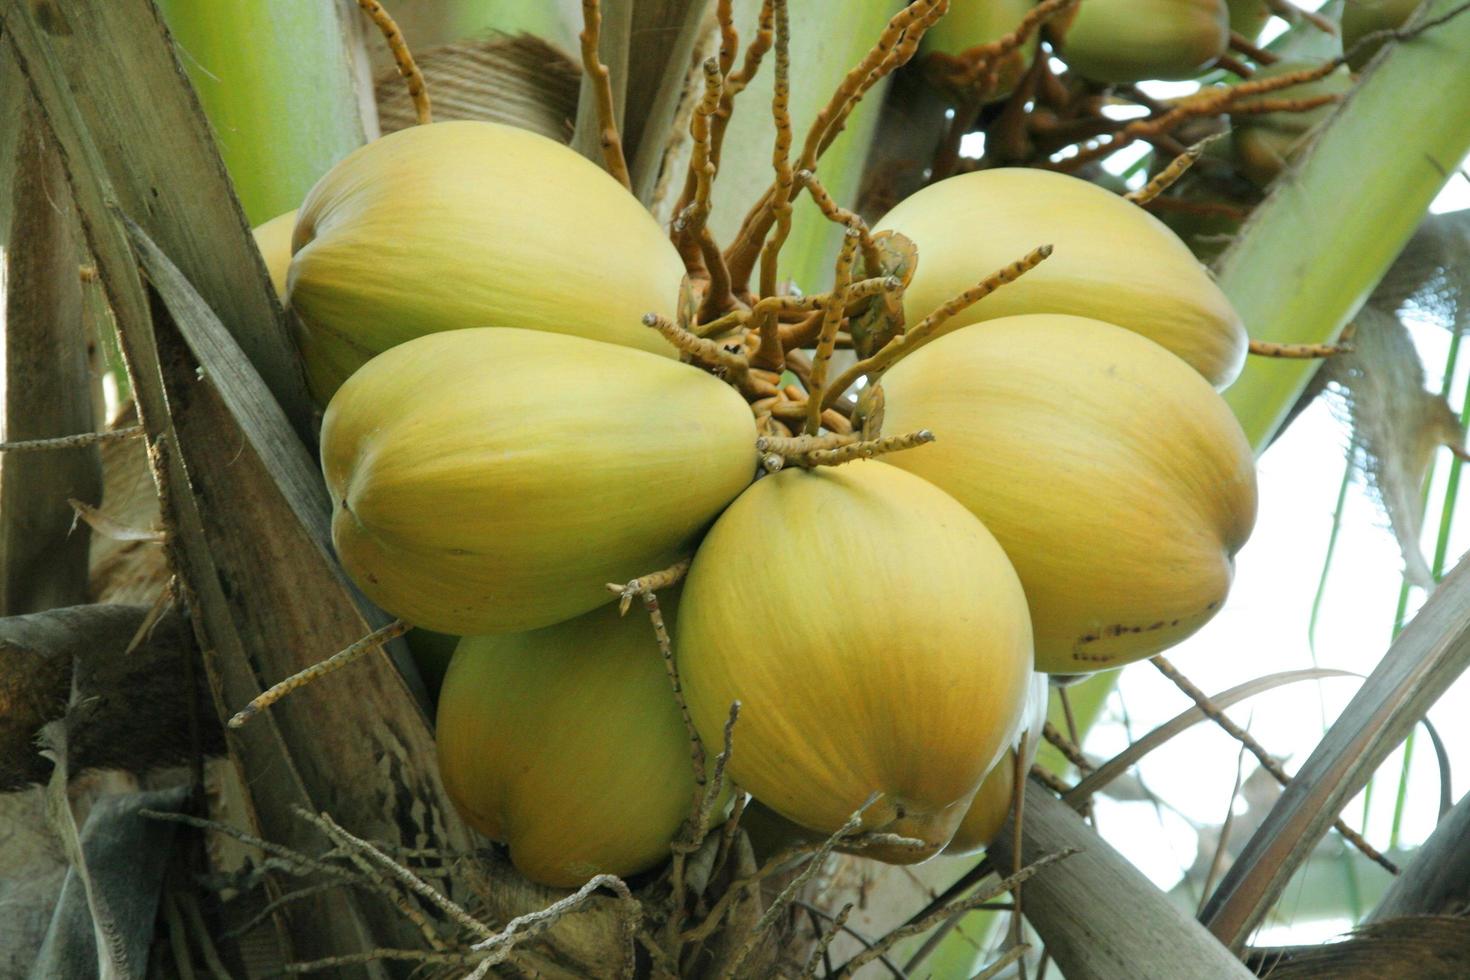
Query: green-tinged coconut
{"points": [[495, 480], [1136, 40], [1116, 478], [1264, 143], [1111, 260], [884, 649], [1363, 17], [566, 744], [273, 238], [1248, 17], [472, 224], [972, 23], [995, 799]]}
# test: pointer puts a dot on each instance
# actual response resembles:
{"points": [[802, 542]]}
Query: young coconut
{"points": [[996, 798], [472, 224], [972, 23], [273, 238], [566, 743], [1111, 260], [884, 648], [1263, 143], [494, 480], [1248, 17], [1116, 479], [1363, 17], [1136, 40]]}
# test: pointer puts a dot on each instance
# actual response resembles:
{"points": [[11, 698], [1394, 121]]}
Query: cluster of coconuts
{"points": [[504, 436], [1102, 40]]}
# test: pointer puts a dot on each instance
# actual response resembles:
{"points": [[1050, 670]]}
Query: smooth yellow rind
{"points": [[475, 224], [996, 797], [494, 480], [1111, 261], [884, 646], [1116, 479], [273, 238], [1136, 40], [566, 744]]}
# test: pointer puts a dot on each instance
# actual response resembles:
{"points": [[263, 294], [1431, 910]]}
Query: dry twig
{"points": [[612, 141], [403, 58]]}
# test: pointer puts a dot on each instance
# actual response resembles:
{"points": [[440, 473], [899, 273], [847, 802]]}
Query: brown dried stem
{"points": [[1301, 352], [1203, 702], [1166, 177], [1262, 107], [646, 584], [780, 153], [793, 888], [896, 348], [502, 944], [612, 141], [364, 855], [1234, 65], [700, 348], [373, 641], [1243, 45], [1206, 102], [895, 46], [1018, 812], [403, 58], [690, 219], [832, 316], [948, 910], [832, 211], [77, 441], [819, 951], [866, 449], [1050, 780], [1067, 747]]}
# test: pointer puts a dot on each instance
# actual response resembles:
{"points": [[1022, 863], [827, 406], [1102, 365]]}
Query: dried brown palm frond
{"points": [[520, 80]]}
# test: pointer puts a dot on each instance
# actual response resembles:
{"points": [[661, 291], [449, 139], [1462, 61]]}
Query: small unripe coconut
{"points": [[1116, 479], [472, 224], [566, 744], [1362, 17], [1136, 40], [273, 238], [1112, 260], [494, 480], [1264, 143], [883, 647], [971, 23], [996, 797], [1248, 17]]}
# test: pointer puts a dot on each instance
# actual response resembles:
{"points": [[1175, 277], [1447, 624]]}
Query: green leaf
{"points": [[277, 80]]}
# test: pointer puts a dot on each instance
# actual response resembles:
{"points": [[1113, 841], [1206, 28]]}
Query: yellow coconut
{"points": [[273, 238], [566, 744], [495, 480], [472, 224], [971, 23], [1112, 261], [1136, 40], [1363, 17], [1264, 143], [883, 647], [996, 796], [1116, 479]]}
